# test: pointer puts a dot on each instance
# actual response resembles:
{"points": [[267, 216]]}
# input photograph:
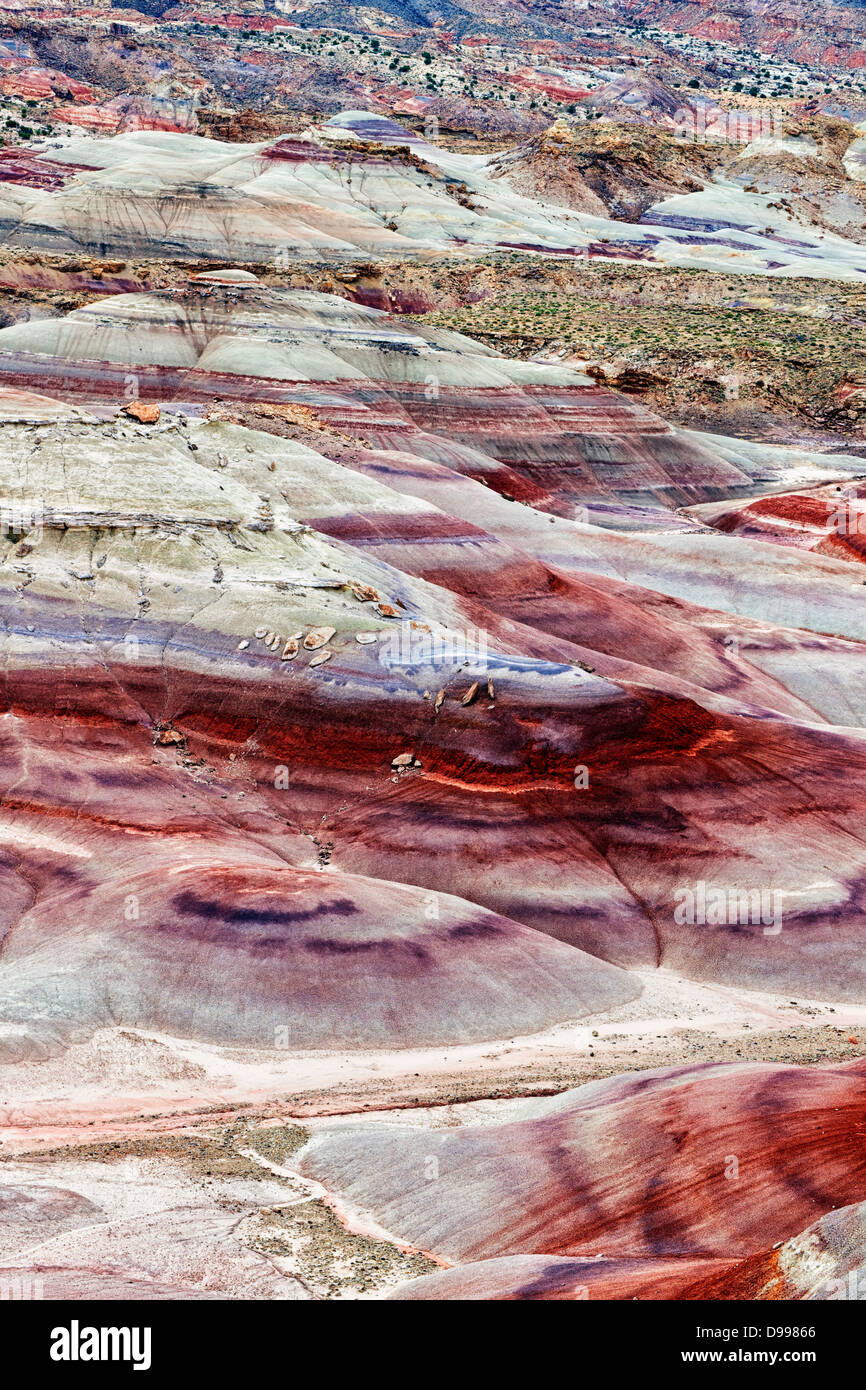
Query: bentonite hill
{"points": [[433, 730]]}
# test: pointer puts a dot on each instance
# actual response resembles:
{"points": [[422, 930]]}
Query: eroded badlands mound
{"points": [[667, 1180], [361, 184]]}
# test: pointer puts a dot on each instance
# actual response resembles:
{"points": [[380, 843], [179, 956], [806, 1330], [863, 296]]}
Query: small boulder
{"points": [[146, 413]]}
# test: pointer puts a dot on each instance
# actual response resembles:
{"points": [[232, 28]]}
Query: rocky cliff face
{"points": [[608, 170], [832, 32]]}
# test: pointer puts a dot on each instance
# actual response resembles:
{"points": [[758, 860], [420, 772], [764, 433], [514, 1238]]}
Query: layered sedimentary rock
{"points": [[545, 432], [433, 415], [825, 1262], [363, 689], [830, 33], [687, 1164], [225, 949], [417, 765], [337, 716], [361, 184], [608, 170], [830, 520]]}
